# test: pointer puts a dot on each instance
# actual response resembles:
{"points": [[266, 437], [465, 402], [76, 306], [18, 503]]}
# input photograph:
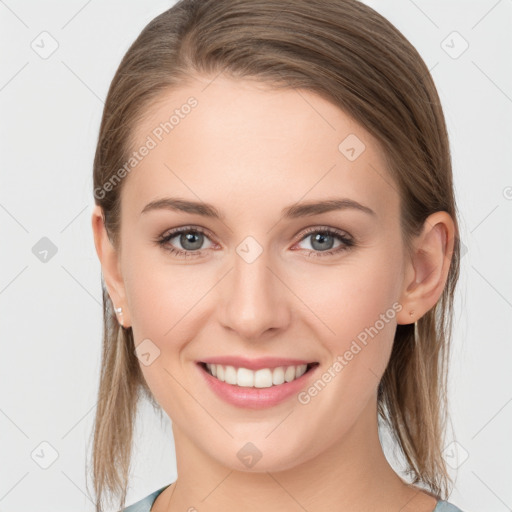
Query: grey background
{"points": [[50, 110]]}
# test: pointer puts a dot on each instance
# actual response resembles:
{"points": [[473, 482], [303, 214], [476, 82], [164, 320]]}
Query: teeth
{"points": [[263, 378]]}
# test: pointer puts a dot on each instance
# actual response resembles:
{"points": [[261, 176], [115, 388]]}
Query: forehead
{"points": [[242, 140]]}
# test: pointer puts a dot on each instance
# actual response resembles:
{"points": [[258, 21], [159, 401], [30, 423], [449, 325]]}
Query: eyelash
{"points": [[347, 242]]}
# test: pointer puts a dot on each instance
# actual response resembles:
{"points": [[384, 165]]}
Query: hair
{"points": [[352, 56]]}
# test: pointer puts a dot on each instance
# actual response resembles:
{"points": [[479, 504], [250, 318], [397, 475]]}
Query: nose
{"points": [[254, 299]]}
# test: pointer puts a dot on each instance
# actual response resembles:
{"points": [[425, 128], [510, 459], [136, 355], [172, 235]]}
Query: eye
{"points": [[322, 241], [190, 239]]}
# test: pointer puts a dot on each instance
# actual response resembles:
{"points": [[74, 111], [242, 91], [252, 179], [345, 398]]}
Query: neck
{"points": [[352, 475]]}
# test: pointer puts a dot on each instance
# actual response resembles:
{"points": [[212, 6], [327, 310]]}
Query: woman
{"points": [[277, 229]]}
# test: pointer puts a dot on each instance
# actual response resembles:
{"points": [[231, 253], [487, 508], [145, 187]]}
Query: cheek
{"points": [[167, 304], [160, 294], [356, 304], [163, 300], [358, 307]]}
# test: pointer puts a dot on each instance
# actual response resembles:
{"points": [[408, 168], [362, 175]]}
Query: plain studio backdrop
{"points": [[58, 59]]}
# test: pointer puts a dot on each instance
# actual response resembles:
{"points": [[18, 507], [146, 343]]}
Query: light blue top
{"points": [[145, 504]]}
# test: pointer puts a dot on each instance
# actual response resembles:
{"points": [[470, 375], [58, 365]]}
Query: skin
{"points": [[251, 151]]}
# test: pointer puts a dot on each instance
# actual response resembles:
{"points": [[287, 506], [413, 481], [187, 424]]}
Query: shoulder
{"points": [[446, 506], [145, 504]]}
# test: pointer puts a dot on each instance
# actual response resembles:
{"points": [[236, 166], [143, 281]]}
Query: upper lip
{"points": [[255, 363]]}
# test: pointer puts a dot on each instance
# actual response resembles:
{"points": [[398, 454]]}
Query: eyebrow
{"points": [[295, 211]]}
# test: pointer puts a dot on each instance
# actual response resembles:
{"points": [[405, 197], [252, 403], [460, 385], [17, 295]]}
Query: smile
{"points": [[262, 378]]}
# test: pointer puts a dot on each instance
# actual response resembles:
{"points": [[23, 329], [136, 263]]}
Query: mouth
{"points": [[270, 377]]}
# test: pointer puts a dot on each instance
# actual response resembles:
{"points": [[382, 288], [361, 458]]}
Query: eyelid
{"points": [[306, 231], [181, 229], [347, 241], [329, 229], [171, 233]]}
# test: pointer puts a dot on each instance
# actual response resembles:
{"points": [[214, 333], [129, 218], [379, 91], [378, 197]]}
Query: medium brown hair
{"points": [[349, 54]]}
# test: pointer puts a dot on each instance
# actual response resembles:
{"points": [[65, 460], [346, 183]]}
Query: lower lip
{"points": [[255, 398]]}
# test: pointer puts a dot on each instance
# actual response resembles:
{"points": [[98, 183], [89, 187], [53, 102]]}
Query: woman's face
{"points": [[263, 279]]}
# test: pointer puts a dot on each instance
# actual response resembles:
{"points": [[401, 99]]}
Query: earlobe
{"points": [[110, 266], [427, 269]]}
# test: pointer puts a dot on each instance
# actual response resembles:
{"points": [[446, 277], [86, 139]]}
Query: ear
{"points": [[426, 269], [110, 266]]}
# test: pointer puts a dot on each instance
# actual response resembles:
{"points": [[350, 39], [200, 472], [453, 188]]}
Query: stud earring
{"points": [[411, 312], [119, 312]]}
